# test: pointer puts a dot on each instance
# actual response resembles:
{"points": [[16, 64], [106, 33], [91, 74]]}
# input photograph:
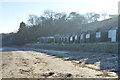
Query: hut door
{"points": [[112, 35], [113, 39]]}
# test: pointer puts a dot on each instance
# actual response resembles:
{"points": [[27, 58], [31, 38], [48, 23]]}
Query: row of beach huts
{"points": [[107, 33]]}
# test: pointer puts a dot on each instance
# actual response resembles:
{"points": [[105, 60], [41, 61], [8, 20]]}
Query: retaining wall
{"points": [[84, 47]]}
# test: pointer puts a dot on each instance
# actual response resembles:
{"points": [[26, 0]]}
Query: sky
{"points": [[12, 12]]}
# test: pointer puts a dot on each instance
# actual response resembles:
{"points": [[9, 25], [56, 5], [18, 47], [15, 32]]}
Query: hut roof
{"points": [[111, 23], [50, 37]]}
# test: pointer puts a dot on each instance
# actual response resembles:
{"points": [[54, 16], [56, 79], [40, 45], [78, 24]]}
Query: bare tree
{"points": [[49, 14], [104, 15], [33, 20], [60, 16], [96, 17], [92, 17], [77, 18]]}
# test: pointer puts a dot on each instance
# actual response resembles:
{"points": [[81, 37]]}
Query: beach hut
{"points": [[67, 39], [71, 39], [87, 37], [77, 38], [97, 35], [112, 34], [82, 37], [56, 39]]}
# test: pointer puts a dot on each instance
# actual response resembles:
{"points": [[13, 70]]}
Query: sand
{"points": [[17, 63]]}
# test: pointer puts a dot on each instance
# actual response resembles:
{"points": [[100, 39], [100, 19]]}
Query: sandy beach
{"points": [[17, 63]]}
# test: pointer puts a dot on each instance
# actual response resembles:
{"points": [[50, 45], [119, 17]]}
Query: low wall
{"points": [[84, 47]]}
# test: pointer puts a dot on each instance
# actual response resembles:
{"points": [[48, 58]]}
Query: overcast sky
{"points": [[12, 12]]}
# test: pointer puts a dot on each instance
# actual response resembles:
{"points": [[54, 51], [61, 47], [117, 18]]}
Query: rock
{"points": [[51, 73], [48, 74], [98, 75], [68, 75], [60, 75]]}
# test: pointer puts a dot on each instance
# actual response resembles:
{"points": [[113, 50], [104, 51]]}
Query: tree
{"points": [[96, 17], [77, 18], [33, 20], [49, 14], [92, 17], [60, 16], [104, 15], [21, 27]]}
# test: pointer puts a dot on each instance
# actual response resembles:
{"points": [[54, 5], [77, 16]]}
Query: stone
{"points": [[48, 74], [68, 75]]}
